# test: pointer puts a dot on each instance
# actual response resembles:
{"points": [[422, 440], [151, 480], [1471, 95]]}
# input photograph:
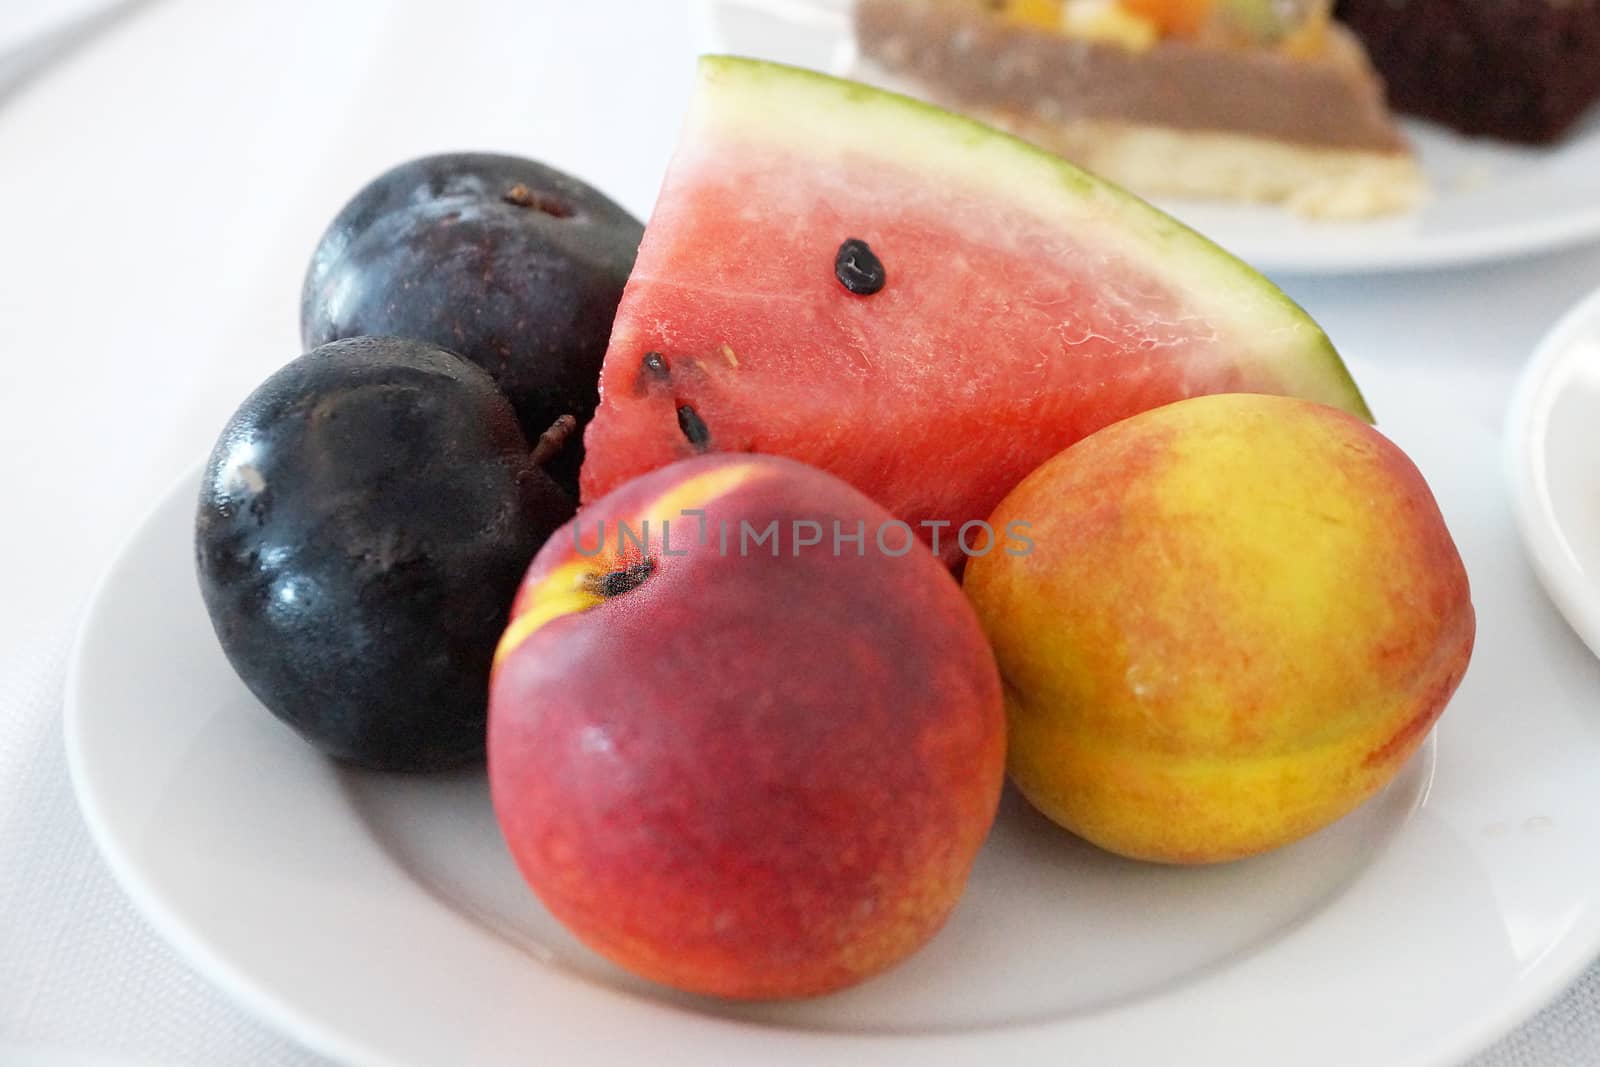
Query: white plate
{"points": [[379, 919], [1553, 449], [1489, 200]]}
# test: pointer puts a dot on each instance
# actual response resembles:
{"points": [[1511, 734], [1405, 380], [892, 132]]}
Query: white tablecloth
{"points": [[159, 193]]}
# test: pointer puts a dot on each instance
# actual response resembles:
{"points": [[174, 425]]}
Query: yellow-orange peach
{"points": [[1239, 617]]}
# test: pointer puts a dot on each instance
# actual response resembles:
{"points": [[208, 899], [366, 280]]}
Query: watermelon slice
{"points": [[1024, 304]]}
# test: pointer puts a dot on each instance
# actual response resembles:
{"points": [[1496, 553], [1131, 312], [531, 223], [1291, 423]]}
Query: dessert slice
{"points": [[1519, 70], [1234, 99]]}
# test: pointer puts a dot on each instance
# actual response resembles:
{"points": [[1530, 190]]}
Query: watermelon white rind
{"points": [[757, 101]]}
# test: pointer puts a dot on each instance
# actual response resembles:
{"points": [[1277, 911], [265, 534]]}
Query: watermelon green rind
{"points": [[1272, 334], [1026, 304]]}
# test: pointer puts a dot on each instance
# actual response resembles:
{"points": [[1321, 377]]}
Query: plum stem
{"points": [[553, 440]]}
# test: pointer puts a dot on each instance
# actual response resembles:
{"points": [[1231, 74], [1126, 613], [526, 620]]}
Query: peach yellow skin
{"points": [[750, 777], [1241, 615]]}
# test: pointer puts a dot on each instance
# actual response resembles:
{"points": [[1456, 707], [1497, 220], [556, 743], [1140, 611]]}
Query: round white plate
{"points": [[378, 918], [1488, 200], [1553, 449]]}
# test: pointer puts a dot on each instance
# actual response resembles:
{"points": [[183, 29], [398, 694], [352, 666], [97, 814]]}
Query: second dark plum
{"points": [[364, 522], [509, 263]]}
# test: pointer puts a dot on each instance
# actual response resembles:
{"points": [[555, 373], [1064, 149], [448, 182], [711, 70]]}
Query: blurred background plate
{"points": [[35, 32], [1553, 443], [25, 21], [1489, 200]]}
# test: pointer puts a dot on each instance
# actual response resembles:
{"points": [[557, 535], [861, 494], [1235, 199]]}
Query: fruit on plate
{"points": [[1241, 615], [918, 304], [505, 261], [363, 523], [746, 759]]}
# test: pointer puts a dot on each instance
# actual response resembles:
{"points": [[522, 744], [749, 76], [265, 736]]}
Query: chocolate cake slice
{"points": [[1302, 123], [1520, 70]]}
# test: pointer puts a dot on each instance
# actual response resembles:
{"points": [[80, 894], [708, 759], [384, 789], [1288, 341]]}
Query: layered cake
{"points": [[1520, 70], [1263, 100]]}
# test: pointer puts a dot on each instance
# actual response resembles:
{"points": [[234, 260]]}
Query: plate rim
{"points": [[1500, 243], [263, 1005], [1526, 425], [1562, 964]]}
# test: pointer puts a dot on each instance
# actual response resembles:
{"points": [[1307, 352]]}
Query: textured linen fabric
{"points": [[1566, 1034], [79, 969]]}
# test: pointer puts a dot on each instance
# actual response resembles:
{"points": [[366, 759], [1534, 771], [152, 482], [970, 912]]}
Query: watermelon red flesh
{"points": [[1026, 304]]}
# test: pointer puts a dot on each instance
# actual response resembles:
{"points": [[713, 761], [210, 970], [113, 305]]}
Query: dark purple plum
{"points": [[364, 520], [505, 261]]}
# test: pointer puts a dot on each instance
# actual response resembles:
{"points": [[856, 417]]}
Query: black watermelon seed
{"points": [[858, 268], [694, 427], [655, 364], [625, 580]]}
